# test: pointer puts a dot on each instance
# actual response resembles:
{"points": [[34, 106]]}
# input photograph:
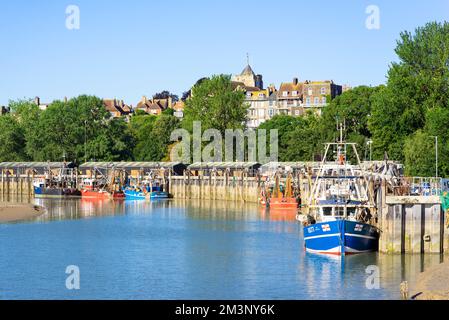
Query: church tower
{"points": [[249, 78]]}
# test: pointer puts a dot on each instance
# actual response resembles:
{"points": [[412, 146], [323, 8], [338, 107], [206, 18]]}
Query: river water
{"points": [[180, 249]]}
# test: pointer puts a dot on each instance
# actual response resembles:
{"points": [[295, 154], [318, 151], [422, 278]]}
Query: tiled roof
{"points": [[179, 105], [290, 87], [248, 71], [113, 105]]}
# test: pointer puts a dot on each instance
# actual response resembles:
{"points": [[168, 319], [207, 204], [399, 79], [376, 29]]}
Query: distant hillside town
{"points": [[293, 98]]}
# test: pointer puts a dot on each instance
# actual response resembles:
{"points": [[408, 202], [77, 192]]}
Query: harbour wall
{"points": [[17, 185], [245, 189], [413, 224]]}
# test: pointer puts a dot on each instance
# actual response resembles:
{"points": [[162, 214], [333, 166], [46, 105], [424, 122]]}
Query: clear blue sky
{"points": [[126, 49]]}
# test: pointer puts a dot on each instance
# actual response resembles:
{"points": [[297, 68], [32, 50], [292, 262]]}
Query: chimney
{"points": [[295, 81], [144, 99], [37, 101]]}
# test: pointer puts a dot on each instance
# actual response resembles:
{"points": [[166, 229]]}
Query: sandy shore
{"points": [[433, 284], [10, 212]]}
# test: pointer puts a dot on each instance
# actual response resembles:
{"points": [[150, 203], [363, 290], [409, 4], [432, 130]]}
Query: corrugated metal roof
{"points": [[293, 165], [15, 165], [223, 165], [136, 165]]}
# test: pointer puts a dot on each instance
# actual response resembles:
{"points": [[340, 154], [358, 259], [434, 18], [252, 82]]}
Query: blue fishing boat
{"points": [[341, 237], [341, 211], [135, 194], [145, 194]]}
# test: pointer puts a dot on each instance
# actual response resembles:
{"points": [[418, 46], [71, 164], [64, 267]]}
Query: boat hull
{"points": [[341, 237], [41, 192], [101, 194], [283, 203], [135, 195], [139, 195]]}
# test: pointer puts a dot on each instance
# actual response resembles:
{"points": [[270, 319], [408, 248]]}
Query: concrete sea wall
{"points": [[245, 189], [413, 225]]}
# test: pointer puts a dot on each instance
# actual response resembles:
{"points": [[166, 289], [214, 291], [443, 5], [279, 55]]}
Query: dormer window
{"points": [[285, 93], [294, 93]]}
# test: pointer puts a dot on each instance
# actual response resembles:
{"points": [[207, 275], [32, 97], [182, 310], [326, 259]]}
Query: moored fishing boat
{"points": [[56, 192], [277, 199], [59, 185], [340, 208], [132, 193], [92, 190], [135, 194]]}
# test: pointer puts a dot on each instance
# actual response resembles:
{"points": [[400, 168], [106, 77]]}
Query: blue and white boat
{"points": [[341, 211], [341, 237], [154, 193], [134, 194]]}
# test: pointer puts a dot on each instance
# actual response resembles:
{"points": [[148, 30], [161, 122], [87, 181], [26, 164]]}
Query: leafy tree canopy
{"points": [[216, 104]]}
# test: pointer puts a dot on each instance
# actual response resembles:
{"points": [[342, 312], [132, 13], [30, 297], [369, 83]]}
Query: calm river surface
{"points": [[182, 250]]}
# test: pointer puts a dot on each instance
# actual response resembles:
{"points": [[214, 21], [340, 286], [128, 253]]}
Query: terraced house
{"points": [[154, 106], [293, 98]]}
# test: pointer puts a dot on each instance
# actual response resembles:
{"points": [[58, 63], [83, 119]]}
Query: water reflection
{"points": [[185, 249]]}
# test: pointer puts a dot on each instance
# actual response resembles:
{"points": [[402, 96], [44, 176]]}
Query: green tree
{"points": [[27, 114], [305, 142], [77, 129], [417, 83], [152, 136], [285, 125], [12, 139], [419, 155], [353, 109], [216, 104]]}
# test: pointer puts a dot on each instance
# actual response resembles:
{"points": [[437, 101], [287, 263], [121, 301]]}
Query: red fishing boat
{"points": [[91, 191], [283, 203], [280, 200]]}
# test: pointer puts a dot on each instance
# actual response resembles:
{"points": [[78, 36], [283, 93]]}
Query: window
{"points": [[285, 93], [316, 101], [307, 101], [294, 93], [339, 212], [270, 112], [324, 100], [310, 92], [323, 90], [296, 112]]}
